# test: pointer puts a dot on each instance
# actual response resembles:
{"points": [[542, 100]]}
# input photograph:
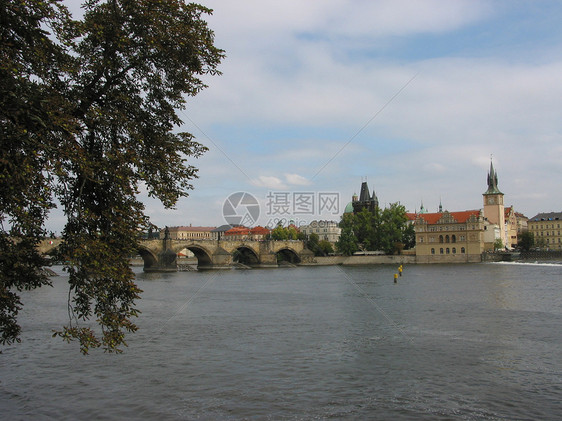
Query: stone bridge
{"points": [[159, 255]]}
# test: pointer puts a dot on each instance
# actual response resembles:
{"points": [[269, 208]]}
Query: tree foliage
{"points": [[526, 241], [498, 244], [284, 233], [386, 230], [91, 117]]}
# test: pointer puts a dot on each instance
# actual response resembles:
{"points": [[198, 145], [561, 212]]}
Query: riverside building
{"points": [[545, 227]]}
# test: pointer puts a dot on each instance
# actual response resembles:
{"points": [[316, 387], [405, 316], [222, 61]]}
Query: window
{"points": [[448, 251], [432, 251], [454, 250], [441, 239], [462, 250], [446, 238], [441, 250]]}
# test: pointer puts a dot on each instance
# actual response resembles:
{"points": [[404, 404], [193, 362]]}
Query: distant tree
{"points": [[279, 233], [409, 237], [498, 244], [526, 241], [392, 226], [89, 115], [312, 243], [385, 230], [365, 227], [540, 243], [347, 237], [325, 247], [292, 233]]}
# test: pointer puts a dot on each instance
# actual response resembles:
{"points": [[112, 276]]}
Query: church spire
{"points": [[492, 180]]}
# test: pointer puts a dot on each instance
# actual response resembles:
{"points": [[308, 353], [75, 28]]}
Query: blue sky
{"points": [[413, 95]]}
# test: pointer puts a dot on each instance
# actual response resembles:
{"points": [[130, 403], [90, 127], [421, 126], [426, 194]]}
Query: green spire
{"points": [[492, 181]]}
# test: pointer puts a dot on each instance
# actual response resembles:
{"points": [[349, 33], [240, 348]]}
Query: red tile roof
{"points": [[459, 217], [411, 216], [237, 231], [259, 231]]}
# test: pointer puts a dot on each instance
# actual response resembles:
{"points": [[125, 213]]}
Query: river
{"points": [[473, 341]]}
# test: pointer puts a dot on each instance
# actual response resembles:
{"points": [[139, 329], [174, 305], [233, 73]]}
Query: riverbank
{"points": [[363, 260]]}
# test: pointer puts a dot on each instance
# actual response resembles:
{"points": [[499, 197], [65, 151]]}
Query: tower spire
{"points": [[492, 180]]}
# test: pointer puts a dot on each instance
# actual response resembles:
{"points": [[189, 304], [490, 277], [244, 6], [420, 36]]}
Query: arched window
{"points": [[441, 239], [447, 238], [462, 250], [448, 251], [454, 250], [432, 251], [453, 238], [441, 250]]}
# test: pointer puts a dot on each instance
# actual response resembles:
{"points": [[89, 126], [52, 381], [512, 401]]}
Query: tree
{"points": [[105, 97], [526, 241], [347, 243], [365, 224], [409, 237], [30, 63], [392, 227], [325, 247], [385, 230], [312, 243], [279, 233], [498, 244]]}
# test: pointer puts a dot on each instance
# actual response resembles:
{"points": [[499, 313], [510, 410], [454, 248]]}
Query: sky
{"points": [[415, 97]]}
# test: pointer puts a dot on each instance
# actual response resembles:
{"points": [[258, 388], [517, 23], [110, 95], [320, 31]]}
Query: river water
{"points": [[473, 341]]}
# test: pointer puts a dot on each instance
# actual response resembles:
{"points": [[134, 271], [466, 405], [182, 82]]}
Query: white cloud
{"points": [[269, 182], [312, 74], [297, 180]]}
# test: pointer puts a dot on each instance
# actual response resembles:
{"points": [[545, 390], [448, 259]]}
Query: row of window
{"points": [[448, 251], [184, 235], [445, 239], [434, 228], [538, 226], [542, 233]]}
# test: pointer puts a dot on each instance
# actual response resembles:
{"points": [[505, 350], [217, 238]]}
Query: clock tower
{"points": [[493, 203]]}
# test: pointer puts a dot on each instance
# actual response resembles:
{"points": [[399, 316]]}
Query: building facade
{"points": [[188, 233], [546, 228], [464, 236], [449, 237], [326, 230]]}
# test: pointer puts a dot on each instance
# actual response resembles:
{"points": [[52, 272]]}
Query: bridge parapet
{"points": [[215, 254]]}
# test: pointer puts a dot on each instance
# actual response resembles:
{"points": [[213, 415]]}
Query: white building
{"points": [[326, 230]]}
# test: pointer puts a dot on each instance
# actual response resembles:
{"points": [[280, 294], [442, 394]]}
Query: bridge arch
{"points": [[149, 258], [245, 255], [288, 255], [201, 253]]}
